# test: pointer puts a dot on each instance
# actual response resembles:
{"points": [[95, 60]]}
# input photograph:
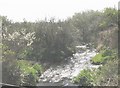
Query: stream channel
{"points": [[62, 75]]}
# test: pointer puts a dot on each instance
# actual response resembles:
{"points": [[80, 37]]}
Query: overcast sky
{"points": [[33, 10]]}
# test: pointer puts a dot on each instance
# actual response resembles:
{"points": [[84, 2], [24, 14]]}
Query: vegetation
{"points": [[85, 77], [29, 72], [50, 42], [21, 72], [103, 76], [106, 75], [103, 56], [53, 42]]}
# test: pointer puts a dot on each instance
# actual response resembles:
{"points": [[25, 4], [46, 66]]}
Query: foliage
{"points": [[53, 42], [85, 23], [103, 56], [110, 16], [38, 68], [20, 73], [30, 73], [108, 74], [85, 77], [50, 41], [105, 75]]}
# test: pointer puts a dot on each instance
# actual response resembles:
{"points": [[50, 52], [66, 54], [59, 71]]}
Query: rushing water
{"points": [[63, 74]]}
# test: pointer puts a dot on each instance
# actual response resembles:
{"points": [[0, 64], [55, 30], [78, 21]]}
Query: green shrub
{"points": [[106, 75], [85, 78], [30, 73], [102, 57], [98, 59], [38, 68]]}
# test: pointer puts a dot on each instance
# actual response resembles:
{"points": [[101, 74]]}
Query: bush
{"points": [[30, 73], [102, 57], [106, 75], [85, 78], [38, 68], [98, 59], [53, 42]]}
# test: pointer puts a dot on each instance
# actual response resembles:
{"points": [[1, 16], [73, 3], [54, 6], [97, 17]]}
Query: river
{"points": [[62, 75]]}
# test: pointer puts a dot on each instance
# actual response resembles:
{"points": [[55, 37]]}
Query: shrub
{"points": [[53, 42], [103, 56], [30, 73], [38, 68], [98, 59], [85, 78], [106, 75]]}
